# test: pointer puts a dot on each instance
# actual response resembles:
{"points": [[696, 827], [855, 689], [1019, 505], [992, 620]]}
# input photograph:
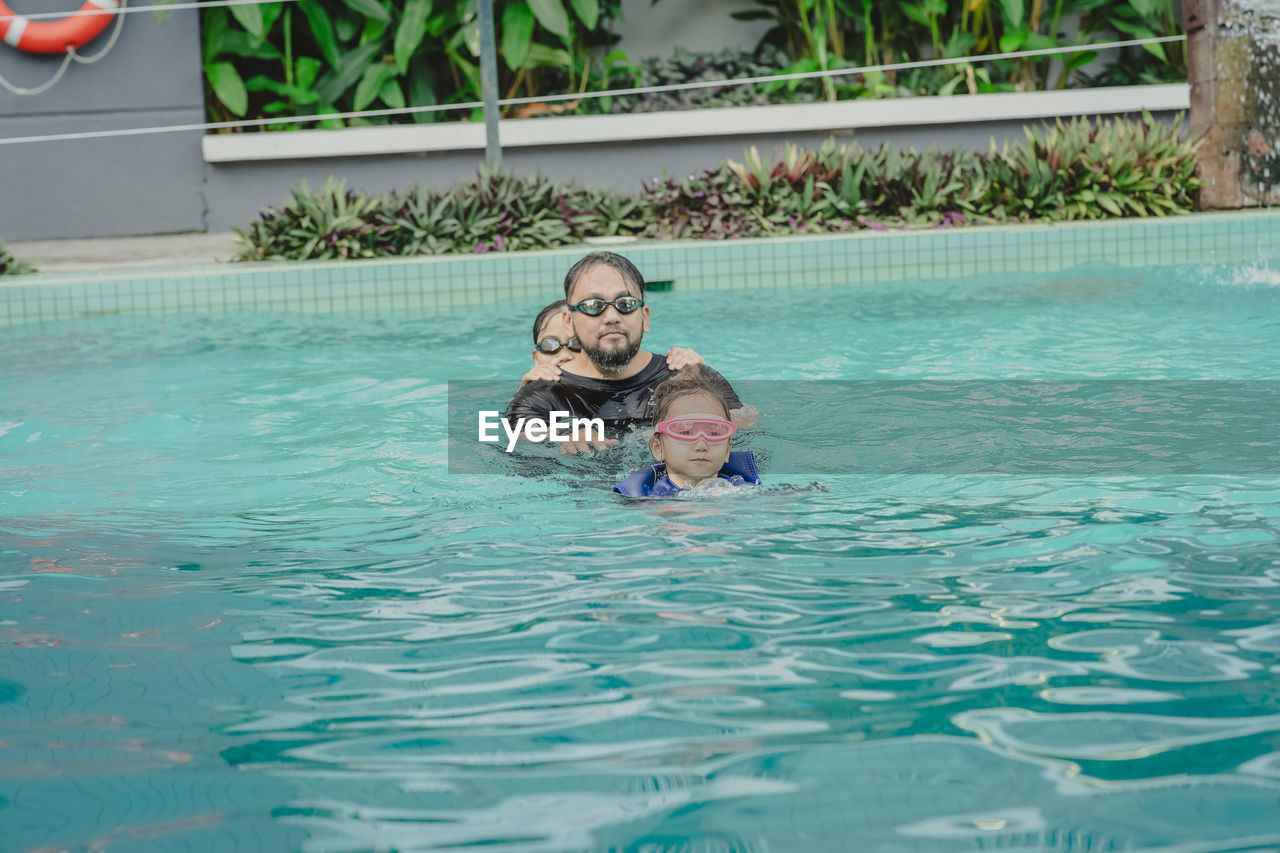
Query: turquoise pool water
{"points": [[246, 607]]}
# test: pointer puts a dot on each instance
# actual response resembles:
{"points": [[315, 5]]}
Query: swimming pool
{"points": [[246, 605]]}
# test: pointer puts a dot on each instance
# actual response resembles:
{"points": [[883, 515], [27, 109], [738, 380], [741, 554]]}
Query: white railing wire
{"points": [[539, 99]]}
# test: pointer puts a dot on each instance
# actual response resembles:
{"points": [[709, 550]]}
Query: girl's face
{"points": [[691, 462], [559, 327]]}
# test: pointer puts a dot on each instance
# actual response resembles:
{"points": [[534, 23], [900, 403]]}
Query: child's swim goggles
{"points": [[550, 345], [693, 427]]}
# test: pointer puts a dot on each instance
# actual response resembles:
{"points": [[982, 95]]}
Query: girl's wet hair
{"points": [[691, 380], [554, 308]]}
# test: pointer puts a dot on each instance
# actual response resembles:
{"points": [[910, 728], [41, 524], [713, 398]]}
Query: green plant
{"points": [[1073, 170], [1078, 170], [9, 265], [492, 212], [813, 32], [1151, 63], [329, 56], [817, 33]]}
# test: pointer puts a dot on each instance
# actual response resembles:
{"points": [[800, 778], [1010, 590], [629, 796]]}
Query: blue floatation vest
{"points": [[652, 481]]}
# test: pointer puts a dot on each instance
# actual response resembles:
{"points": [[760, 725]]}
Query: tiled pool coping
{"points": [[448, 282]]}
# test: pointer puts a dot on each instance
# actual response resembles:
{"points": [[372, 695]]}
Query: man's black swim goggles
{"points": [[596, 307], [550, 345]]}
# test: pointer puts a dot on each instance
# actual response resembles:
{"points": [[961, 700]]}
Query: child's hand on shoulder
{"points": [[678, 358], [541, 373]]}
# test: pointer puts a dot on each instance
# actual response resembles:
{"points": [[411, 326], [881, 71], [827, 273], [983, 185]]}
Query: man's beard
{"points": [[613, 361]]}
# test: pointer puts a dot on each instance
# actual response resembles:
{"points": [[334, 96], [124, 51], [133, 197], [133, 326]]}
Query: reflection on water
{"points": [[246, 607]]}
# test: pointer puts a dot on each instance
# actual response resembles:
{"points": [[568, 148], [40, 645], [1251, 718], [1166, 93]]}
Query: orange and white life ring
{"points": [[57, 36]]}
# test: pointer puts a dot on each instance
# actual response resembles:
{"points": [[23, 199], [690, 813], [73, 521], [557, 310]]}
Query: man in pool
{"points": [[554, 344], [611, 377]]}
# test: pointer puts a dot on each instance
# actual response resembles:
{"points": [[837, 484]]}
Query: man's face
{"points": [[612, 339]]}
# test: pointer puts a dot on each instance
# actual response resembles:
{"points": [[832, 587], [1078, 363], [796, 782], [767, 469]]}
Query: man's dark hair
{"points": [[630, 275], [554, 308], [691, 380]]}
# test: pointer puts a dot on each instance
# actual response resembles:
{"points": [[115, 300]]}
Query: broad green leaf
{"points": [[1009, 42], [413, 26], [228, 86], [551, 14], [1077, 60], [347, 26], [517, 34], [437, 24], [915, 13], [329, 123], [368, 8], [250, 17], [1109, 203], [1141, 32], [951, 84], [542, 56], [270, 14], [588, 12], [351, 66], [391, 93], [371, 84], [298, 94], [1013, 13], [374, 28], [471, 72], [422, 90], [263, 83], [238, 43], [321, 30], [307, 68], [214, 30]]}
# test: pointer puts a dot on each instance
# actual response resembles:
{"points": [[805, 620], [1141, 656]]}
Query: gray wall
{"points": [[652, 28], [105, 187]]}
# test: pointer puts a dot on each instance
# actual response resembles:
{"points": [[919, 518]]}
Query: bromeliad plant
{"points": [[1083, 171], [9, 265], [1074, 170], [493, 212]]}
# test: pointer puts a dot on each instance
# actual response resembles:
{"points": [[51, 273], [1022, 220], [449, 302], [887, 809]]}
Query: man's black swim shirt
{"points": [[620, 403]]}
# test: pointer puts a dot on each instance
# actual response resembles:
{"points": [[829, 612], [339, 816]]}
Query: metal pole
{"points": [[489, 83]]}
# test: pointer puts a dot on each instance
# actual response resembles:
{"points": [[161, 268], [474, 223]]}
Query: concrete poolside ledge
{"points": [[726, 121], [93, 255], [449, 282]]}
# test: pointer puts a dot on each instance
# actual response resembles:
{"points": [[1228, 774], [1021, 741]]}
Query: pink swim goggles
{"points": [[695, 426]]}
